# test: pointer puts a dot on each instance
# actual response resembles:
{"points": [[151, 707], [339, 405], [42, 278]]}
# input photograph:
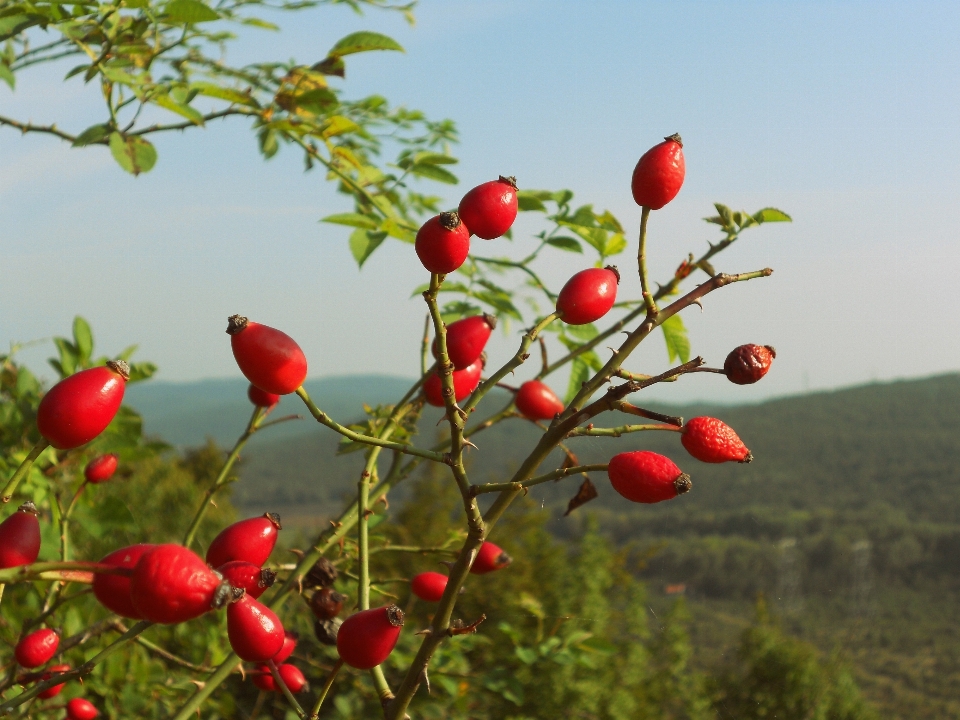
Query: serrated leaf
{"points": [[609, 222], [168, 103], [116, 75], [433, 172], [6, 74], [189, 11], [338, 125], [432, 158], [565, 243], [364, 242], [616, 244], [223, 93], [141, 371], [579, 374], [596, 237], [132, 153], [529, 202], [83, 339], [331, 66], [771, 215], [363, 41], [393, 228], [93, 134], [14, 24], [352, 220], [675, 335], [587, 331]]}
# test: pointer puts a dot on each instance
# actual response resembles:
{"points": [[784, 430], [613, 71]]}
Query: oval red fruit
{"points": [[37, 648], [292, 678], [658, 176], [289, 645], [429, 586], [171, 584], [113, 591], [536, 401], [646, 477], [746, 364], [267, 357], [251, 540], [490, 209], [464, 382], [101, 469], [54, 690], [251, 578], [712, 441], [79, 407], [489, 558], [20, 537], [367, 638], [254, 630], [466, 339], [588, 295], [263, 678], [80, 709], [261, 398], [443, 243]]}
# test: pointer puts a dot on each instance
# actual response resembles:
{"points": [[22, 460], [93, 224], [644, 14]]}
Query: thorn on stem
{"points": [[458, 628]]}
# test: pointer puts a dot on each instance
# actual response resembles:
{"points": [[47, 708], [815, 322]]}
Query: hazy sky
{"points": [[844, 114]]}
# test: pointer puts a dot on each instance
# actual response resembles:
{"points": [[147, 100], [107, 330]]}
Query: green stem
{"points": [[325, 691], [642, 263], [555, 475], [11, 487], [40, 569], [285, 690], [618, 431]]}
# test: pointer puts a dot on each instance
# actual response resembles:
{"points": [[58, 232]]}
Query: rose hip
{"points": [[489, 558], [251, 578], [254, 630], [251, 540], [261, 398], [429, 586], [113, 591], [658, 176], [466, 339], [746, 364], [588, 295], [712, 441], [367, 638], [490, 209], [170, 584], [79, 407], [53, 690], [289, 645], [443, 243], [101, 469], [464, 382], [37, 648], [646, 477], [80, 709], [20, 537], [267, 357], [536, 401]]}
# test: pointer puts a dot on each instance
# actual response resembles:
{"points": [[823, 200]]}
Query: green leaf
{"points": [[587, 331], [364, 242], [189, 11], [223, 93], [331, 66], [132, 153], [268, 143], [675, 335], [69, 356], [609, 222], [14, 24], [141, 371], [352, 220], [182, 109], [357, 42], [771, 215], [432, 158], [565, 243], [596, 237], [579, 374], [6, 74], [528, 201], [83, 339], [433, 172], [338, 125], [616, 244], [93, 134]]}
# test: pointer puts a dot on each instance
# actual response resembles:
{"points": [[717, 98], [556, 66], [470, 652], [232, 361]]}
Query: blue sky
{"points": [[844, 114]]}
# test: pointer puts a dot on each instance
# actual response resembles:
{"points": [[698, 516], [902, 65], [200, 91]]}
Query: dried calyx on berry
{"points": [[236, 323], [449, 220], [120, 367]]}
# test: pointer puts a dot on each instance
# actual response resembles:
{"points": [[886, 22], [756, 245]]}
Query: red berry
{"points": [[79, 407], [55, 689], [443, 243], [490, 558], [429, 586], [171, 584], [100, 469], [588, 295], [80, 709], [250, 540], [268, 358], [263, 679], [536, 401], [746, 364], [466, 339], [292, 678], [464, 382], [261, 398], [113, 591], [254, 630], [646, 477], [712, 441], [326, 603], [289, 645], [20, 537], [659, 174], [490, 209], [252, 578], [37, 648], [367, 638]]}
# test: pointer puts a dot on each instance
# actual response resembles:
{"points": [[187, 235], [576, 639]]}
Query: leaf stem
{"points": [[326, 689], [11, 487]]}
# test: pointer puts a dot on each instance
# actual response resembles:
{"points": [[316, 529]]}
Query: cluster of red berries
{"points": [[430, 586]]}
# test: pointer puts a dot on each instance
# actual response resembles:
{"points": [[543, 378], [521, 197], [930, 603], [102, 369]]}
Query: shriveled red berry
{"points": [[326, 603], [251, 578], [54, 690], [429, 586], [367, 638], [443, 243], [490, 209], [658, 176], [292, 678], [464, 382], [101, 469], [289, 645], [81, 709], [20, 537], [79, 407], [37, 648], [646, 477], [489, 558], [466, 339], [588, 295], [536, 401], [254, 630], [113, 591], [712, 441], [251, 540], [267, 357], [171, 584], [263, 678], [746, 364], [261, 398]]}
